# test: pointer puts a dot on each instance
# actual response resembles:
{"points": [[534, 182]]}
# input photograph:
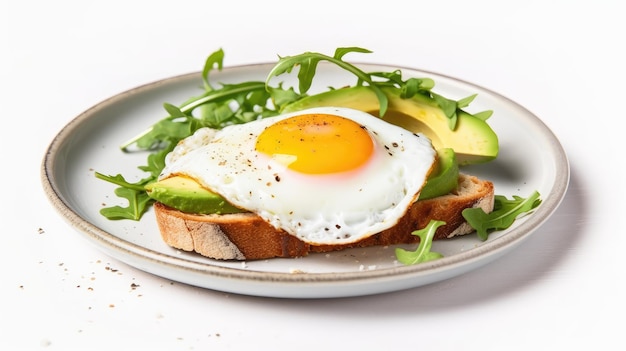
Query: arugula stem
{"points": [[223, 94], [124, 146]]}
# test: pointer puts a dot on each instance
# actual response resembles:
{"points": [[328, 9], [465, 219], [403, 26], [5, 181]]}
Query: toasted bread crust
{"points": [[245, 236]]}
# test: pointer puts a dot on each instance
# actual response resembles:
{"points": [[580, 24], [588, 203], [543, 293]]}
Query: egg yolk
{"points": [[317, 143]]}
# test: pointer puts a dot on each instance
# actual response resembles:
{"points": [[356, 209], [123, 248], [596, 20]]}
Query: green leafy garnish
{"points": [[422, 253], [308, 61], [138, 202], [214, 109], [135, 193], [505, 212]]}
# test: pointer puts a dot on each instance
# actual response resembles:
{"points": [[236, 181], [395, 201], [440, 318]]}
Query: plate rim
{"points": [[118, 247]]}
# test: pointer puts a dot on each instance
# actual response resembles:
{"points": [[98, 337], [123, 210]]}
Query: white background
{"points": [[562, 289]]}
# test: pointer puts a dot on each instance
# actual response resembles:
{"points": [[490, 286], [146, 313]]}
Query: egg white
{"points": [[319, 209]]}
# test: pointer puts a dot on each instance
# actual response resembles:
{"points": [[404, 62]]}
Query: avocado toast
{"points": [[194, 218]]}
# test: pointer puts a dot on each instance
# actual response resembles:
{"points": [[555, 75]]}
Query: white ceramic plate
{"points": [[531, 158]]}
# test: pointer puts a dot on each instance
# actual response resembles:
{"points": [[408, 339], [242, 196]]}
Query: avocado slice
{"points": [[186, 195], [444, 178], [473, 140]]}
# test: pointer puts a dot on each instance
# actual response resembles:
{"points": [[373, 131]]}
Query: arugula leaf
{"points": [[135, 193], [156, 163], [138, 202], [282, 97], [505, 212], [121, 181], [214, 61], [422, 253]]}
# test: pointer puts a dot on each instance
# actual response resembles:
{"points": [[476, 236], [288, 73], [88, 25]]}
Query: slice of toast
{"points": [[245, 236]]}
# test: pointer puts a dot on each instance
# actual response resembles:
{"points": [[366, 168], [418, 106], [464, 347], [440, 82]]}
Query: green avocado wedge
{"points": [[186, 195], [472, 140], [444, 178]]}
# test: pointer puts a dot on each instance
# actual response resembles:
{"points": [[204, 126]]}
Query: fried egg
{"points": [[326, 175]]}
